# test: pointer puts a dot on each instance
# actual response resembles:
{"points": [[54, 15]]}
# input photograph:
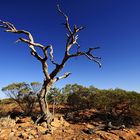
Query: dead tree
{"points": [[51, 78]]}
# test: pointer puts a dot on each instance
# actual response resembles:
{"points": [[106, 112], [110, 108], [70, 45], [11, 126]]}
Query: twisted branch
{"points": [[72, 38], [71, 35], [9, 27], [51, 55], [63, 76], [89, 55]]}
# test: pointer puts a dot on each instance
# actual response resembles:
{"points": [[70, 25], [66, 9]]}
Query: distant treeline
{"points": [[116, 104]]}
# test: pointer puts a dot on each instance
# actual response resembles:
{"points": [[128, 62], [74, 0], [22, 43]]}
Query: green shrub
{"points": [[25, 95], [117, 105]]}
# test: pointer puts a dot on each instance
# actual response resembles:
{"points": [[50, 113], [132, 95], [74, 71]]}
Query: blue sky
{"points": [[114, 25]]}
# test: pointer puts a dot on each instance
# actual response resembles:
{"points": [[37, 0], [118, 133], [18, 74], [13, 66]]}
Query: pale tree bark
{"points": [[51, 78]]}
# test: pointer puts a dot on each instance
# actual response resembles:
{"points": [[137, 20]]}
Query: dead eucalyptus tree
{"points": [[51, 78]]}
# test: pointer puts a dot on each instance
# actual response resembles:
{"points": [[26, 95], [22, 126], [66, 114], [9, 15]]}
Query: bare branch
{"points": [[63, 76], [50, 54], [71, 37], [43, 48], [88, 55], [91, 57], [9, 27], [67, 19], [30, 43]]}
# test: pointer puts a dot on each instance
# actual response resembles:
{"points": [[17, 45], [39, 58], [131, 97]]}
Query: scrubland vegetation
{"points": [[115, 105], [79, 112]]}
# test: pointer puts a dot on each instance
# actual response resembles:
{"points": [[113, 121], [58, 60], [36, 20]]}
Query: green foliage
{"points": [[116, 104], [71, 88], [24, 94], [54, 96], [79, 98], [36, 86], [119, 105]]}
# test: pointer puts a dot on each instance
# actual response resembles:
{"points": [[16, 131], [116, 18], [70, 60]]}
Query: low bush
{"points": [[117, 105], [25, 95]]}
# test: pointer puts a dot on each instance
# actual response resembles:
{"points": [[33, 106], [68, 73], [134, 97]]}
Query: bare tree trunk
{"points": [[44, 108], [43, 101]]}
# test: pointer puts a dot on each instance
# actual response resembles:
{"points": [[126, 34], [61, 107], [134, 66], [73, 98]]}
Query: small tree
{"points": [[51, 78], [54, 96], [78, 96], [24, 94]]}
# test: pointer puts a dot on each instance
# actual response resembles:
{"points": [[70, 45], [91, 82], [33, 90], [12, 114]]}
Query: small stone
{"points": [[61, 119], [89, 131], [70, 131], [13, 130], [89, 126], [31, 137], [66, 124], [44, 124], [41, 129], [56, 123], [33, 132], [11, 134]]}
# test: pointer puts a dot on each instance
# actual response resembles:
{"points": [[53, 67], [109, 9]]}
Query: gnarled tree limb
{"points": [[9, 27], [71, 35], [72, 40], [63, 76]]}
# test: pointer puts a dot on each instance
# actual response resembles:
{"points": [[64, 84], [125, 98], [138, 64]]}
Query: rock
{"points": [[63, 122], [55, 123], [13, 130], [23, 135], [59, 122], [27, 130], [69, 116], [53, 128], [5, 133], [7, 122], [41, 129], [70, 131], [33, 132], [107, 136], [96, 123], [24, 120], [44, 124], [28, 124], [46, 137], [66, 124], [89, 131], [89, 126], [110, 126], [11, 135], [31, 137], [126, 135]]}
